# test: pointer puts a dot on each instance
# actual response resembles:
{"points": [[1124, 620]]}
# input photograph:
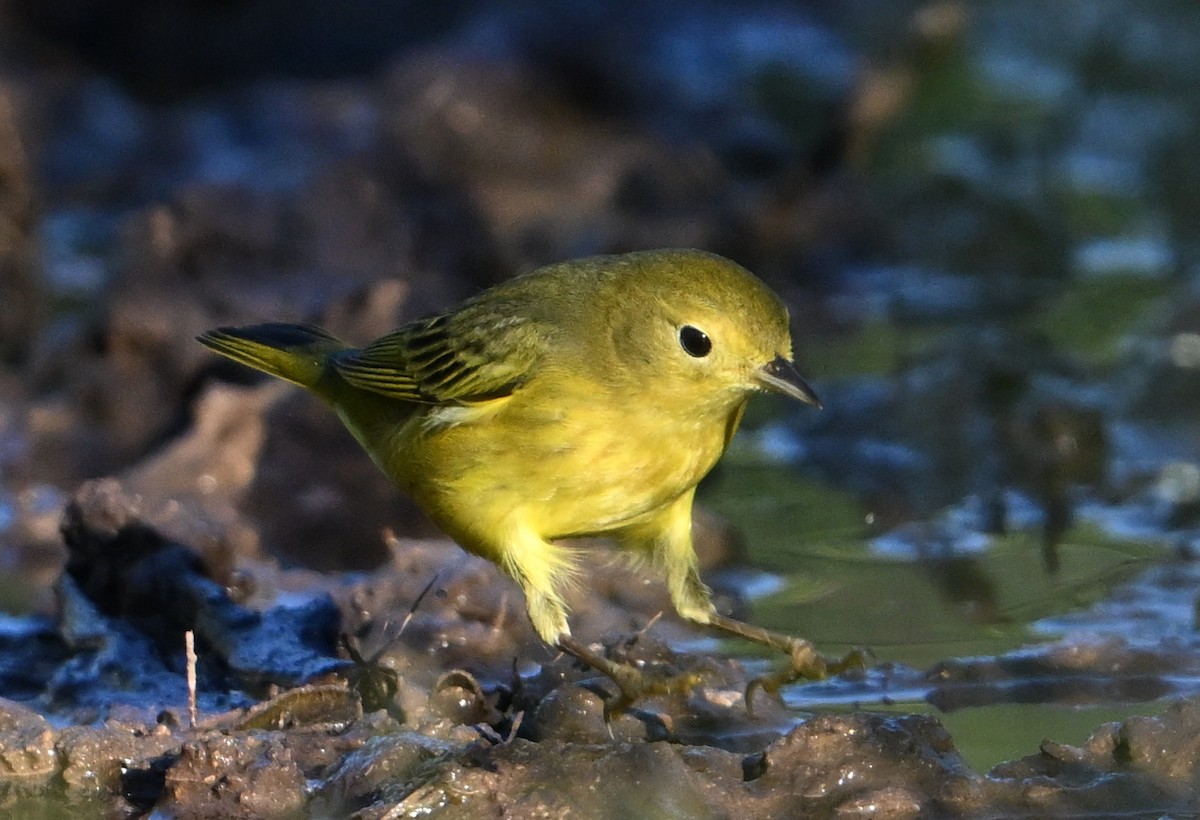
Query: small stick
{"points": [[189, 643], [412, 610], [649, 624]]}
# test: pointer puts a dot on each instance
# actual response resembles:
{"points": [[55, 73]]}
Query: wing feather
{"points": [[477, 354]]}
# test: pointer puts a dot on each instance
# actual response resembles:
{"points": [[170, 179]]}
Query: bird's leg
{"points": [[670, 544], [673, 551], [807, 662], [539, 566], [693, 602]]}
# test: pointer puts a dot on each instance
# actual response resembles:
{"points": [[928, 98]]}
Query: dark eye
{"points": [[694, 341]]}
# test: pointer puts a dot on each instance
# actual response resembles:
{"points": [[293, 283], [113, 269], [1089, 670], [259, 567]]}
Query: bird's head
{"points": [[704, 327]]}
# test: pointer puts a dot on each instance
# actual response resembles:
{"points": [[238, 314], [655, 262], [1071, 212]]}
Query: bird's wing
{"points": [[452, 358]]}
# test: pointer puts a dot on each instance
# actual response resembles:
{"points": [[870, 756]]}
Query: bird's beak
{"points": [[780, 376]]}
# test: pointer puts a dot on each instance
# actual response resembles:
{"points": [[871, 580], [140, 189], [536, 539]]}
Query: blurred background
{"points": [[982, 214]]}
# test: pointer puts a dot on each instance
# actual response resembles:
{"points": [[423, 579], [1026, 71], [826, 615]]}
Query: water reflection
{"points": [[1010, 374]]}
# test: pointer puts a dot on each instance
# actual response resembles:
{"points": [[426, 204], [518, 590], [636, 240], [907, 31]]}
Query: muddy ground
{"points": [[164, 172]]}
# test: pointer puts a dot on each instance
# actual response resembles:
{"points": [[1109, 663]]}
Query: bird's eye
{"points": [[694, 341]]}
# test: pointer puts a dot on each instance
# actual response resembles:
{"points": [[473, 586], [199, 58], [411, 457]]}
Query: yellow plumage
{"points": [[585, 398]]}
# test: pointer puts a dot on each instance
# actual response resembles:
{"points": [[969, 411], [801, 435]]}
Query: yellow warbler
{"points": [[585, 398]]}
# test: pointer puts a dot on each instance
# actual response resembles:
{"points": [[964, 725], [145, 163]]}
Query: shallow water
{"points": [[841, 588], [1006, 467]]}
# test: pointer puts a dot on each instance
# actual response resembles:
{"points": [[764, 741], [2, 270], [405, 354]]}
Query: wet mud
{"points": [[985, 232]]}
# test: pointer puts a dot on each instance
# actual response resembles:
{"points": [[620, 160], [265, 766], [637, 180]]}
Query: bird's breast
{"points": [[567, 467]]}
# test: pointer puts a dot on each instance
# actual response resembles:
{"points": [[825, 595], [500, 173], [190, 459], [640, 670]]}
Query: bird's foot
{"points": [[806, 662], [632, 684]]}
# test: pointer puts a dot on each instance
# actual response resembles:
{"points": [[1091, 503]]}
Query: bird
{"points": [[585, 398]]}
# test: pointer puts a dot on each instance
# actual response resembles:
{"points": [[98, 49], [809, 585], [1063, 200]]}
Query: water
{"points": [[967, 600], [1004, 479], [1005, 336]]}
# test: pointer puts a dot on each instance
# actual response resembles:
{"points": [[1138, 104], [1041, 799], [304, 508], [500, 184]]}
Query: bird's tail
{"points": [[297, 353]]}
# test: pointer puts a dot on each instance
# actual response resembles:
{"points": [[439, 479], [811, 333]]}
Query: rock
{"points": [[31, 649], [557, 779], [576, 714], [128, 595], [390, 764], [1123, 768], [27, 755], [842, 765], [1076, 671], [223, 776], [191, 489], [96, 759]]}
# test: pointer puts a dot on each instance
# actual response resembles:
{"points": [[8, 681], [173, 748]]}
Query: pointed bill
{"points": [[780, 376]]}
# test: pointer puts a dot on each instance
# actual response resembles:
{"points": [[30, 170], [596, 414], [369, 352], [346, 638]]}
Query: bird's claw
{"points": [[807, 664], [632, 684]]}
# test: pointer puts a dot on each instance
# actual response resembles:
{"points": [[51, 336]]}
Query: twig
{"points": [[412, 610], [189, 643]]}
